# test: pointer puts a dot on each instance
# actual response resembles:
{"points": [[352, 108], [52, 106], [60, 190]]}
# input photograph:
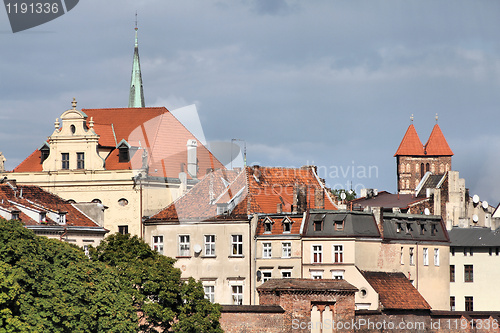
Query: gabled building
{"points": [[413, 159], [132, 160], [51, 216], [216, 233]]}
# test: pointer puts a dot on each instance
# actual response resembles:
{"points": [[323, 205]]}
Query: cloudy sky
{"points": [[330, 83]]}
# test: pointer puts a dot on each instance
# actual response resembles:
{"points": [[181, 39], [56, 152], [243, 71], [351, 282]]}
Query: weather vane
{"points": [[411, 118], [436, 118]]}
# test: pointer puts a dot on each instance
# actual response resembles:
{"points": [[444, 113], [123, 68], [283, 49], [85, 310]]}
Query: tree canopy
{"points": [[50, 286]]}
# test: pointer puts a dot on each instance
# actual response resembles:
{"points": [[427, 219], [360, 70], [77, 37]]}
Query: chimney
{"points": [[192, 160], [279, 208], [319, 198], [378, 213]]}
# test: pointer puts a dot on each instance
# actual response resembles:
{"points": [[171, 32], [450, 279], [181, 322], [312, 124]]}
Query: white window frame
{"points": [[436, 257], [209, 292], [158, 243], [315, 274], [286, 272], [267, 250], [412, 256], [425, 254], [338, 249], [286, 249], [266, 275], [237, 245], [337, 274], [209, 245], [184, 245], [318, 250], [237, 294]]}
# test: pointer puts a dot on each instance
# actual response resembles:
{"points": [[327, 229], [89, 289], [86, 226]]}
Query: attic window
{"points": [[73, 129], [96, 201], [399, 227], [43, 217], [15, 215], [434, 230], [422, 229], [339, 225], [268, 226], [123, 155], [44, 153], [287, 226], [318, 222], [409, 228], [123, 202]]}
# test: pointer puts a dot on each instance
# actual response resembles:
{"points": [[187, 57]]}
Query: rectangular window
{"points": [[468, 273], [316, 275], [287, 227], [237, 245], [80, 160], [338, 253], [237, 293], [123, 229], [210, 293], [65, 161], [268, 227], [401, 256], [469, 303], [339, 225], [426, 256], [266, 250], [452, 303], [286, 250], [286, 274], [209, 245], [452, 251], [266, 276], [184, 248], [411, 256], [436, 257], [317, 254], [452, 273], [318, 225], [158, 244], [337, 275]]}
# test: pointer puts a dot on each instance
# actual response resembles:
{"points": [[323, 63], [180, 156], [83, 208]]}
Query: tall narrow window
{"points": [[65, 161], [452, 273], [338, 253], [401, 258], [412, 262], [469, 303], [287, 226], [210, 293], [422, 171], [184, 248], [452, 303], [286, 250], [158, 244], [426, 256], [209, 245], [436, 257], [468, 273], [266, 250], [80, 160], [237, 293], [237, 245], [317, 254]]}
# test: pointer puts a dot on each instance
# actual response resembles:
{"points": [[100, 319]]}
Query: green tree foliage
{"points": [[163, 300], [350, 194], [50, 286]]}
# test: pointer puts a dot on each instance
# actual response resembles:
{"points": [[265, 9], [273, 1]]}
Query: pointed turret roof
{"points": [[437, 145], [411, 144], [136, 97]]}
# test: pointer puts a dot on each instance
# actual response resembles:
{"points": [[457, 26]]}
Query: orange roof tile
{"points": [[260, 194], [278, 225], [411, 144], [437, 145], [153, 128], [396, 291]]}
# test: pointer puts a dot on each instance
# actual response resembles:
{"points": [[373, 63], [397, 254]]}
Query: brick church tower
{"points": [[413, 159]]}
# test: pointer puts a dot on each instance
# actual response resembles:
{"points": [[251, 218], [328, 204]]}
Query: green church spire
{"points": [[136, 97]]}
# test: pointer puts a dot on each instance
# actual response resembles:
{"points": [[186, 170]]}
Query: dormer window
{"points": [[318, 222], [15, 215], [287, 226], [61, 218], [399, 226], [339, 225], [123, 152], [422, 229], [44, 152], [268, 226], [409, 228], [434, 229], [73, 129], [43, 217]]}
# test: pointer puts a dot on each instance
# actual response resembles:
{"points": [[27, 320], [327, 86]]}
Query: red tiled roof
{"points": [[300, 285], [260, 194], [278, 224], [154, 128], [39, 200], [437, 145], [411, 144], [396, 291]]}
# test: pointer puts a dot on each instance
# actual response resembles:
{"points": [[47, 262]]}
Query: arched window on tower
{"points": [[422, 171], [427, 166]]}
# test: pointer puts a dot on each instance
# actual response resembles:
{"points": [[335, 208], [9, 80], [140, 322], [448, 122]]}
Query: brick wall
{"points": [[252, 319]]}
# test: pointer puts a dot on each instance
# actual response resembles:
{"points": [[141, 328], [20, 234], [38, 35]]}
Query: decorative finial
{"points": [[411, 118], [56, 124], [73, 104], [91, 122], [436, 118], [136, 20]]}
